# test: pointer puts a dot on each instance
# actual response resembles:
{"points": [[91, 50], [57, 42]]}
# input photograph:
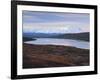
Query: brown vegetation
{"points": [[39, 56]]}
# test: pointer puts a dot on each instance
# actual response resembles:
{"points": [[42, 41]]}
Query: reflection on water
{"points": [[65, 42]]}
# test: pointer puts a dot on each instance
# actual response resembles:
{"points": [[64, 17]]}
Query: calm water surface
{"points": [[65, 42]]}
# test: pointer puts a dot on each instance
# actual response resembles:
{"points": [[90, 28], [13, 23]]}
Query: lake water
{"points": [[65, 42]]}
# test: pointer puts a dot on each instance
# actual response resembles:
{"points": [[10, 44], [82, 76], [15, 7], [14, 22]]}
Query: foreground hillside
{"points": [[39, 56]]}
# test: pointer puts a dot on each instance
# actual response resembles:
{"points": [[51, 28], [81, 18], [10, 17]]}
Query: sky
{"points": [[55, 22]]}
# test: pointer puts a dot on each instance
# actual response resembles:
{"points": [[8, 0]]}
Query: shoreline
{"points": [[59, 42]]}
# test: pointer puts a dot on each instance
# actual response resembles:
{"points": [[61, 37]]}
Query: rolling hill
{"points": [[76, 36]]}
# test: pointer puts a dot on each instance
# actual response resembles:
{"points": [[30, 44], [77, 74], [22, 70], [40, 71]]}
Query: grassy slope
{"points": [[37, 56]]}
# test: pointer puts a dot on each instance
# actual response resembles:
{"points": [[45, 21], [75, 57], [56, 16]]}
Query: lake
{"points": [[65, 42]]}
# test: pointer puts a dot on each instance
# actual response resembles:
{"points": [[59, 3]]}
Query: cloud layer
{"points": [[50, 22]]}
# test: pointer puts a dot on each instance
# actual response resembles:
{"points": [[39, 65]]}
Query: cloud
{"points": [[61, 27], [54, 17], [50, 22]]}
